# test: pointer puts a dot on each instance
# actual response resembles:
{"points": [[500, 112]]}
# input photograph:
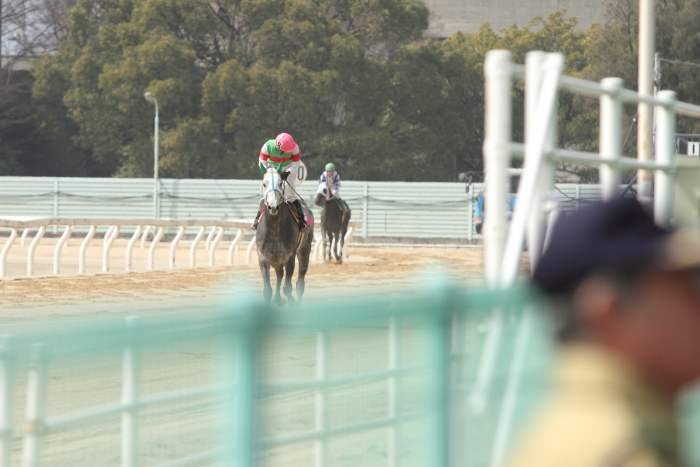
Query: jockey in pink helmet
{"points": [[283, 152]]}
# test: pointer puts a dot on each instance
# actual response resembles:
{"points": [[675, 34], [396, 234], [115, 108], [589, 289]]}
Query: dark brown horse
{"points": [[277, 239], [334, 222]]}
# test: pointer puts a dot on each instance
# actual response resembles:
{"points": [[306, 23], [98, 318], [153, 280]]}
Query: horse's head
{"points": [[323, 194], [273, 191]]}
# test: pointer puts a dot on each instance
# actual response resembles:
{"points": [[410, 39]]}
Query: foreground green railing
{"points": [[369, 382]]}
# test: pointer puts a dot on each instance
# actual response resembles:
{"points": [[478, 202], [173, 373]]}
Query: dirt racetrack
{"points": [[69, 295], [164, 437]]}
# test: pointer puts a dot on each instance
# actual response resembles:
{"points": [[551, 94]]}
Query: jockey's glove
{"points": [[285, 175]]}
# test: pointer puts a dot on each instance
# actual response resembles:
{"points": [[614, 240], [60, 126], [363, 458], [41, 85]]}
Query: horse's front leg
{"points": [[265, 271], [289, 272], [341, 240], [326, 253], [301, 285], [279, 270]]}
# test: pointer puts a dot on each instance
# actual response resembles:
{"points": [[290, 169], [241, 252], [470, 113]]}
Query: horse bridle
{"points": [[274, 188]]}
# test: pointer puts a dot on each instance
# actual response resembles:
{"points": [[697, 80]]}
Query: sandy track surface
{"points": [[69, 295]]}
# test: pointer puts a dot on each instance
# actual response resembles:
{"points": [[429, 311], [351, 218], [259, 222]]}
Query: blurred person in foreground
{"points": [[625, 297]]}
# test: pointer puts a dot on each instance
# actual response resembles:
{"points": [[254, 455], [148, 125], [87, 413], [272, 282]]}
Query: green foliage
{"points": [[352, 80], [31, 129], [227, 76]]}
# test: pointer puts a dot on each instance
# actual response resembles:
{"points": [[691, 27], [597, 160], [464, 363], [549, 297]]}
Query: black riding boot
{"points": [[254, 225], [300, 212]]}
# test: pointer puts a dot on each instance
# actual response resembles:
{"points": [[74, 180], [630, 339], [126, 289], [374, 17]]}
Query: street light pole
{"points": [[151, 98]]}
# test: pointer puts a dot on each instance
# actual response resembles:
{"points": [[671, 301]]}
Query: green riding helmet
{"points": [[330, 167]]}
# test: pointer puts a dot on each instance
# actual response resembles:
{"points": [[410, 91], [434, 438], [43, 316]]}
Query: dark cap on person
{"points": [[611, 236]]}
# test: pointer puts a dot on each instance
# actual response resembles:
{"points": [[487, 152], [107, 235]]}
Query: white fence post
{"points": [[234, 245], [212, 247], [32, 249], [610, 136], [130, 247], [193, 247], [152, 248], [173, 246], [5, 251], [83, 248], [109, 238], [59, 246], [497, 136], [665, 150]]}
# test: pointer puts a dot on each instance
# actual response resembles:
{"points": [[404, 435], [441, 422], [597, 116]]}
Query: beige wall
{"points": [[450, 16], [17, 65]]}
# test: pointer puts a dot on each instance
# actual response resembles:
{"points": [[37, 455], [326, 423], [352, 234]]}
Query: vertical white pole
{"points": [[249, 250], [322, 374], [110, 236], [610, 136], [7, 383], [6, 251], [214, 244], [130, 247], [32, 249], [665, 150], [173, 246], [533, 82], [145, 235], [152, 249], [83, 249], [36, 406], [497, 140], [234, 245], [59, 246], [210, 238], [156, 207], [535, 156], [193, 247], [646, 87], [130, 394]]}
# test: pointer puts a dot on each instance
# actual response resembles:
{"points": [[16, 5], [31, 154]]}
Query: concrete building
{"points": [[450, 16]]}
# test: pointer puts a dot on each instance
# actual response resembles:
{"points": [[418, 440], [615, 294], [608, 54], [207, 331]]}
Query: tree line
{"points": [[354, 81]]}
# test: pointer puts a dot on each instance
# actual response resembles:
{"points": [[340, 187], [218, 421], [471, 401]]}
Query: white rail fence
{"points": [[503, 242], [141, 230]]}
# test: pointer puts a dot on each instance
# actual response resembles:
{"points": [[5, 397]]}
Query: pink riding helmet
{"points": [[285, 142]]}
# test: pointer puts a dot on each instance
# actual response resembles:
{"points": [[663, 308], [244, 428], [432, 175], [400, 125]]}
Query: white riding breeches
{"points": [[289, 193]]}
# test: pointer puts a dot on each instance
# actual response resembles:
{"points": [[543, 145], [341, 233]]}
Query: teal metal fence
{"points": [[371, 382]]}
